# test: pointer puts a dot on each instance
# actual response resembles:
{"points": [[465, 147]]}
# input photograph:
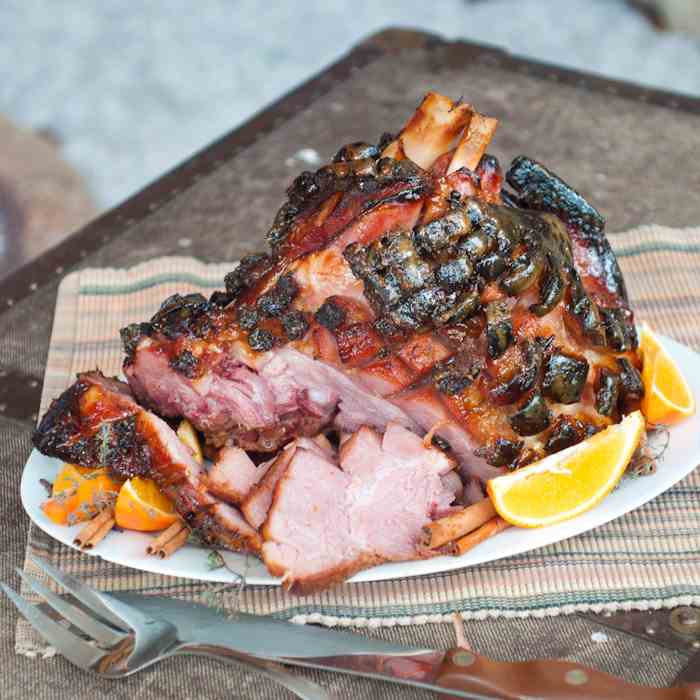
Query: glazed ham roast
{"points": [[444, 321]]}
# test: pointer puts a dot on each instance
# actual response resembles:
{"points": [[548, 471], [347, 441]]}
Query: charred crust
{"points": [[491, 267], [631, 385], [330, 314], [607, 390], [454, 375], [188, 315], [501, 452], [295, 325], [273, 303], [524, 271], [385, 327], [564, 378], [355, 170], [454, 199], [585, 312], [55, 433], [532, 418], [539, 188], [439, 237], [525, 379], [115, 444], [499, 328], [620, 332], [221, 299], [130, 336], [261, 340], [247, 317], [551, 289], [121, 448], [185, 363], [356, 151], [429, 278], [565, 432], [249, 271]]}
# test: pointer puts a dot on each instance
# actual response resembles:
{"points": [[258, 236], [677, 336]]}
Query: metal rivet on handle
{"points": [[463, 658], [685, 620], [576, 676]]}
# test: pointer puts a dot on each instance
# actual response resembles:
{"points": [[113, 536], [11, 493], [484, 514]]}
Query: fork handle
{"points": [[301, 687]]}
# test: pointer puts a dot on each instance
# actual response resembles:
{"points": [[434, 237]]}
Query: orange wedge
{"points": [[668, 398], [79, 493], [569, 482], [141, 506]]}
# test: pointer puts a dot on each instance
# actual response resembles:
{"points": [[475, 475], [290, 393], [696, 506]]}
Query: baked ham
{"points": [[429, 308], [405, 285], [330, 519]]}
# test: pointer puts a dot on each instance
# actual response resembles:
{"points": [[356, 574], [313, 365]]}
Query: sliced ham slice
{"points": [[234, 474], [256, 504], [326, 523]]}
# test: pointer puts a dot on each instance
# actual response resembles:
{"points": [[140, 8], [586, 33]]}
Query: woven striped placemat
{"points": [[650, 558]]}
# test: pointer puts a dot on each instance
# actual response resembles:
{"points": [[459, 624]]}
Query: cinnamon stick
{"points": [[491, 528], [96, 530], [165, 537], [458, 524], [169, 540], [174, 544]]}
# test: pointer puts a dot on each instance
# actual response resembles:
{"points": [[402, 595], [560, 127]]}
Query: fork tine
{"points": [[77, 617], [87, 596], [66, 643]]}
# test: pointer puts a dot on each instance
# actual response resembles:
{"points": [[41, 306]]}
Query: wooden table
{"points": [[633, 151]]}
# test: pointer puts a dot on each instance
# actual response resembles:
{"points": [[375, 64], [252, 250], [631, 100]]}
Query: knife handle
{"points": [[545, 679]]}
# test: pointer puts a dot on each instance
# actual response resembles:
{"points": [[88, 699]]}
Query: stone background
{"points": [[130, 89]]}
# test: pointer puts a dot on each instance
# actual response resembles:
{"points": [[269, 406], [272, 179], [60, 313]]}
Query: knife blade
{"points": [[458, 672]]}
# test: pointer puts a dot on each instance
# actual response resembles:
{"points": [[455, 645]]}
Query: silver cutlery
{"points": [[124, 639], [130, 632]]}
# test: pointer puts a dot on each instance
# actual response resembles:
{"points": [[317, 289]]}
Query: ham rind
{"points": [[233, 475], [328, 522]]}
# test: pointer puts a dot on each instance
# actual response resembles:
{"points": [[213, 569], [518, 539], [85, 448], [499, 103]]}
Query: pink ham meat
{"points": [[327, 522], [257, 503], [234, 474]]}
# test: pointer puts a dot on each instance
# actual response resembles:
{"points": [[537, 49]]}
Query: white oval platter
{"points": [[129, 548]]}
